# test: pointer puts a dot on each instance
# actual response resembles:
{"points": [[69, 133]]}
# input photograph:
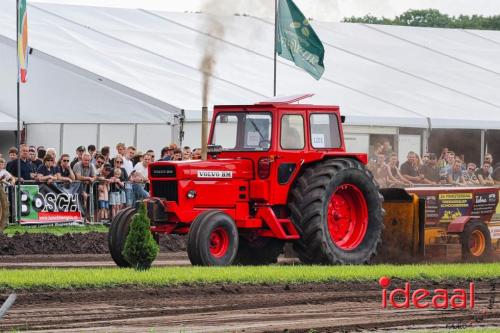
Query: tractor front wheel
{"points": [[476, 241], [117, 235], [212, 239], [337, 209], [260, 251]]}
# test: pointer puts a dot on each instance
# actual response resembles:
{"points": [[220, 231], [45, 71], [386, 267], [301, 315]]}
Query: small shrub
{"points": [[140, 248]]}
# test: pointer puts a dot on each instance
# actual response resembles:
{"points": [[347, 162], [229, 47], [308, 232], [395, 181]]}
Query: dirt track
{"points": [[325, 307]]}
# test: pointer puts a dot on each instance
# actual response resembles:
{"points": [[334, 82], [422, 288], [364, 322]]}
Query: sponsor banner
{"points": [[214, 174], [44, 203], [445, 206]]}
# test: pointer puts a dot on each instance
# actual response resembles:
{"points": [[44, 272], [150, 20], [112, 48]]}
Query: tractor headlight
{"points": [[191, 194]]}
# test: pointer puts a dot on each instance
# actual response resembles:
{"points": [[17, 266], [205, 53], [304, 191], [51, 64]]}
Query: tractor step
{"points": [[279, 228]]}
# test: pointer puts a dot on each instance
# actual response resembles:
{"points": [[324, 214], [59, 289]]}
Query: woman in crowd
{"points": [[47, 171]]}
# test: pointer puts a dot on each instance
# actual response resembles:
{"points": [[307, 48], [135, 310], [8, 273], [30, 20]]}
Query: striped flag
{"points": [[22, 40]]}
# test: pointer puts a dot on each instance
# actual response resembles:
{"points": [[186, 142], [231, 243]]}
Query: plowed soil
{"points": [[77, 243], [332, 307]]}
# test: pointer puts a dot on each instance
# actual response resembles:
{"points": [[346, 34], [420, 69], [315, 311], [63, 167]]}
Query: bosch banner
{"points": [[53, 203]]}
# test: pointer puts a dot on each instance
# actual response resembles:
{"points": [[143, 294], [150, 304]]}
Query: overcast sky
{"points": [[325, 10]]}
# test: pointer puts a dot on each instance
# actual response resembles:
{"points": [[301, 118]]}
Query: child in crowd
{"points": [[4, 174], [103, 201], [116, 187]]}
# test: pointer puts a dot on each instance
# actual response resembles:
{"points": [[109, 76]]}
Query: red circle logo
{"points": [[384, 282]]}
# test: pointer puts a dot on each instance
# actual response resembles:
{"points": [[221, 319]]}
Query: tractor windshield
{"points": [[242, 131]]}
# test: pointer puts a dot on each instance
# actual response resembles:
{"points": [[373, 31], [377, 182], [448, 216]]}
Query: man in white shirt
{"points": [[127, 160], [139, 178], [142, 167]]}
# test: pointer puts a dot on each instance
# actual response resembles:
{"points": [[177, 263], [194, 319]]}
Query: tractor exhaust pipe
{"points": [[204, 132]]}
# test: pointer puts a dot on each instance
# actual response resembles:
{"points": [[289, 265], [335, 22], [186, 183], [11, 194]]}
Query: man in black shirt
{"points": [[26, 168], [35, 161], [483, 174], [410, 169], [430, 170]]}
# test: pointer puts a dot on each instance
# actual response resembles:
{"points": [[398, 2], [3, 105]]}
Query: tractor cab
{"points": [[278, 137]]}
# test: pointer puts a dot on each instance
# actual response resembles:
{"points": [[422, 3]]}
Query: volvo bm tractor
{"points": [[276, 172]]}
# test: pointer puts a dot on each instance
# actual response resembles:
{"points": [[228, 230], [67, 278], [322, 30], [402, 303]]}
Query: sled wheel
{"points": [[476, 241]]}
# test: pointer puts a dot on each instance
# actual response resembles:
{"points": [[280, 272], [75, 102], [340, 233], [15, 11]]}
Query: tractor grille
{"points": [[165, 189], [162, 171]]}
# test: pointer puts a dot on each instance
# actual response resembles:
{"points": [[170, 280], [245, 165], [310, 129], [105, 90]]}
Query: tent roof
{"points": [[7, 123], [378, 75]]}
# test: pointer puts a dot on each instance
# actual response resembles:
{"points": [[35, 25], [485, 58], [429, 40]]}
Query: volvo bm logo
{"points": [[215, 174]]}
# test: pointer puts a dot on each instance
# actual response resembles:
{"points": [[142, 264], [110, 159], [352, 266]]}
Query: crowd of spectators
{"points": [[122, 179], [115, 181], [447, 169]]}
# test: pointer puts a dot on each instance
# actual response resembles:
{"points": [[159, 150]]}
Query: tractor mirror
{"points": [[342, 119], [214, 150]]}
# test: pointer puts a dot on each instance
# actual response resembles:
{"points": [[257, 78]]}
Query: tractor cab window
{"points": [[292, 132], [325, 131], [243, 131]]}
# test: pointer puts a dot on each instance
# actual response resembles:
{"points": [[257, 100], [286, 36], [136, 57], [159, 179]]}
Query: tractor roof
{"points": [[279, 102]]}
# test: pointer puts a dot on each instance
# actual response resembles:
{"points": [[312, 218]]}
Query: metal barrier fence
{"points": [[65, 202]]}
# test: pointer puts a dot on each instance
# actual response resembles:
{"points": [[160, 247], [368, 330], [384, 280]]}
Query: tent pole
{"points": [[484, 145], [275, 39], [18, 134]]}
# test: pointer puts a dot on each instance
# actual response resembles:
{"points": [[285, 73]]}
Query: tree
{"points": [[140, 247], [433, 18]]}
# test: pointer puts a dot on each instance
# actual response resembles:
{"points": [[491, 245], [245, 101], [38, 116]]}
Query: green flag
{"points": [[297, 41]]}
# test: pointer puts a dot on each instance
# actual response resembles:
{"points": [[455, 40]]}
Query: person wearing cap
{"points": [[165, 156], [430, 169], [79, 152]]}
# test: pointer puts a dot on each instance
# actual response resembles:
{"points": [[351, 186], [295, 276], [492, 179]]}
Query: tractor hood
{"points": [[202, 170]]}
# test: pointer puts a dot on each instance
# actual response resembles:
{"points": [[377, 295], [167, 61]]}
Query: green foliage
{"points": [[60, 278], [11, 230], [140, 247], [433, 18]]}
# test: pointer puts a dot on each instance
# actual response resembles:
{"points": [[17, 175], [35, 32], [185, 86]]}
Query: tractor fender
{"points": [[458, 224]]}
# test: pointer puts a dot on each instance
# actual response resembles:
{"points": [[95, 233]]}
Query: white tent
{"points": [[108, 65]]}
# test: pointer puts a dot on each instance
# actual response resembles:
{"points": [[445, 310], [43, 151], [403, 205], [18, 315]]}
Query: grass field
{"points": [[109, 277], [55, 230]]}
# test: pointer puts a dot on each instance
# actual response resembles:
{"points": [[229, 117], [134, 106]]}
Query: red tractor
{"points": [[276, 172]]}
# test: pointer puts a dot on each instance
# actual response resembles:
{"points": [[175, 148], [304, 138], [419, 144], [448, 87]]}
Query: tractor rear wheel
{"points": [[337, 209], [261, 251], [4, 209], [118, 233], [212, 239], [476, 241]]}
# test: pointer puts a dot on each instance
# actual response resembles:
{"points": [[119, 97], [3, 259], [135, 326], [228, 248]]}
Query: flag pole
{"points": [[18, 134], [275, 40]]}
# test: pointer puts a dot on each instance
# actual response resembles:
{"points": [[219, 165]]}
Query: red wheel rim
{"points": [[347, 217], [219, 242]]}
